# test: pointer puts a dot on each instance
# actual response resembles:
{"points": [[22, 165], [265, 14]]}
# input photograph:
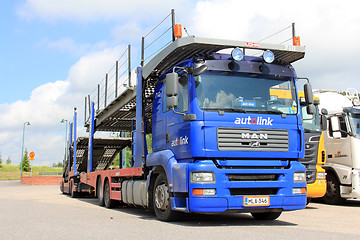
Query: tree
{"points": [[0, 161], [59, 164], [8, 161], [26, 162]]}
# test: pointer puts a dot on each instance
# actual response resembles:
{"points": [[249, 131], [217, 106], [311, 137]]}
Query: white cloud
{"points": [[328, 30], [68, 45], [130, 32], [48, 104], [84, 10]]}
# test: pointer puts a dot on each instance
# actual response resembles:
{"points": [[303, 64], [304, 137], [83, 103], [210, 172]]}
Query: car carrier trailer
{"points": [[220, 141]]}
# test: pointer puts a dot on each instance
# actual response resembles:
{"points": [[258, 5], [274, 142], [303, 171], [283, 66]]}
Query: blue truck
{"points": [[222, 138]]}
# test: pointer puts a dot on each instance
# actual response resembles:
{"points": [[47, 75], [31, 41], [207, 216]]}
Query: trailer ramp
{"points": [[104, 152], [119, 114]]}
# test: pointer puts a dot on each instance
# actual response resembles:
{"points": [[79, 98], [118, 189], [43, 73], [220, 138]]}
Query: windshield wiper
{"points": [[268, 111], [241, 110]]}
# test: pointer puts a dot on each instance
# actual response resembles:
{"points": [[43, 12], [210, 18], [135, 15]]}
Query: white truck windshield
{"points": [[243, 92], [355, 123]]}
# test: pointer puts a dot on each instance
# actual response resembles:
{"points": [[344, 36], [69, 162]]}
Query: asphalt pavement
{"points": [[42, 212]]}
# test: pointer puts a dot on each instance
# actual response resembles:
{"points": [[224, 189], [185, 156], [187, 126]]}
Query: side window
{"points": [[183, 94], [343, 127]]}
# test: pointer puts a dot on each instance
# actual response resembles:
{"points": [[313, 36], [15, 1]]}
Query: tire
{"points": [[62, 187], [332, 195], [99, 193], [161, 200], [308, 200], [109, 203], [73, 194], [266, 215]]}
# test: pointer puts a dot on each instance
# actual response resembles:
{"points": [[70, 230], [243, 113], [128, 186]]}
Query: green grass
{"points": [[12, 172]]}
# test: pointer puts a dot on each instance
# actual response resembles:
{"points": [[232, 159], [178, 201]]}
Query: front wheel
{"points": [[161, 200], [332, 195], [266, 215]]}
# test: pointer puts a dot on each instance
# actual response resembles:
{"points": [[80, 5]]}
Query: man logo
{"points": [[255, 144]]}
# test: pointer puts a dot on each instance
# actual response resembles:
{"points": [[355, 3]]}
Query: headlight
{"points": [[202, 177], [268, 56], [299, 177], [321, 175], [237, 54]]}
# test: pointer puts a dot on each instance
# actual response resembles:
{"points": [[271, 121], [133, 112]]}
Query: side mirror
{"points": [[172, 102], [335, 126], [324, 111], [309, 98], [323, 123], [200, 70], [171, 81], [310, 109]]}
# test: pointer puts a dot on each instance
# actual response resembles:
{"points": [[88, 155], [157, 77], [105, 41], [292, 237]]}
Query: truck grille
{"points": [[244, 139], [310, 158]]}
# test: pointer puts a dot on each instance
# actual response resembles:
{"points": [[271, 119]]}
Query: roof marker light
{"points": [[269, 56], [237, 54]]}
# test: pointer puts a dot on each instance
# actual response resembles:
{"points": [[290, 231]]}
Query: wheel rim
{"points": [[161, 197]]}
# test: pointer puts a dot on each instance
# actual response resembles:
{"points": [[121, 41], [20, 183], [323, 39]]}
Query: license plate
{"points": [[256, 201]]}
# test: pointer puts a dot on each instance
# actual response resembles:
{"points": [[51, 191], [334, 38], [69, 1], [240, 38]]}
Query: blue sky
{"points": [[53, 53]]}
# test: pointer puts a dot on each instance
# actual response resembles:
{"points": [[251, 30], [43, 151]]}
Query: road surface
{"points": [[42, 212]]}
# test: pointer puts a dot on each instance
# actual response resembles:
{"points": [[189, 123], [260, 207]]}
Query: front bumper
{"points": [[316, 189], [229, 193]]}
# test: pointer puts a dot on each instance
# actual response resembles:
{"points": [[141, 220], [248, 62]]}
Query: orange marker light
{"points": [[198, 191], [177, 31], [296, 41]]}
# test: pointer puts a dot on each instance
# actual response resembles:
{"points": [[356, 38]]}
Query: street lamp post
{"points": [[66, 122], [22, 148]]}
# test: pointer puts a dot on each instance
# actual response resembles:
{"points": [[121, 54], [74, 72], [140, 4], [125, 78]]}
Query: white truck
{"points": [[342, 144]]}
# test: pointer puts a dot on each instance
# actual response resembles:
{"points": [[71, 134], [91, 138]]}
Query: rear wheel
{"points": [[332, 195], [109, 203], [161, 200], [266, 215], [99, 192]]}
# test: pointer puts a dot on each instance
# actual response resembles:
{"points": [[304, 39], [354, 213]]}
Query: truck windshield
{"points": [[355, 123], [244, 92], [310, 122]]}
